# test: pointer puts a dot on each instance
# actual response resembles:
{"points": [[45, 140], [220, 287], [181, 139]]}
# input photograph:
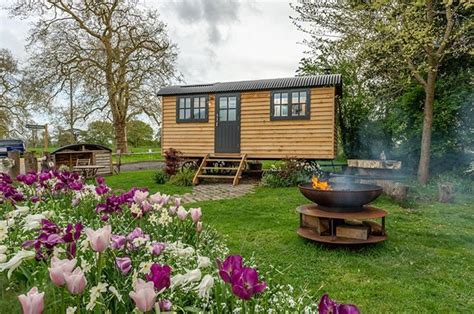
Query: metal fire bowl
{"points": [[342, 197]]}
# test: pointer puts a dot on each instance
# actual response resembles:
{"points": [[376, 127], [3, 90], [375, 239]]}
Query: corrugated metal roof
{"points": [[268, 84]]}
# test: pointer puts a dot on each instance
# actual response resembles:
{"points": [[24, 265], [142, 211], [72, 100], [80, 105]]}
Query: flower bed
{"points": [[78, 247]]}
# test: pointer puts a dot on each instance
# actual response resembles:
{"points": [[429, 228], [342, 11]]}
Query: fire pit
{"points": [[341, 197], [340, 214]]}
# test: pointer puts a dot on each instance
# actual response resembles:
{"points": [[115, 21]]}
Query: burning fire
{"points": [[320, 184]]}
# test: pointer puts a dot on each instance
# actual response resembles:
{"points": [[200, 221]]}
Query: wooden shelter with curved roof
{"points": [[97, 155]]}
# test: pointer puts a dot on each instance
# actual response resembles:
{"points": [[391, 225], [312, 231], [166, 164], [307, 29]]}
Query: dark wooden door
{"points": [[227, 135]]}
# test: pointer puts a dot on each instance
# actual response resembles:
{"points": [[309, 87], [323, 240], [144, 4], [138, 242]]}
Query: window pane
{"points": [[284, 98], [302, 97], [223, 115], [181, 103], [196, 113], [276, 111], [232, 102], [202, 114], [188, 102], [294, 98], [181, 113], [232, 114], [276, 98], [284, 111], [196, 102], [223, 102], [295, 110], [203, 102], [302, 109]]}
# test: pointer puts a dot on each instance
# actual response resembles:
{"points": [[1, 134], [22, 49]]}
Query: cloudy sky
{"points": [[218, 40]]}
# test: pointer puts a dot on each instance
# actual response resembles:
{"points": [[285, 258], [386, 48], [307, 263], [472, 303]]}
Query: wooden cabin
{"points": [[97, 154], [260, 119]]}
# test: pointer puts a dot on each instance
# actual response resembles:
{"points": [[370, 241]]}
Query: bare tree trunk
{"points": [[424, 164], [120, 128]]}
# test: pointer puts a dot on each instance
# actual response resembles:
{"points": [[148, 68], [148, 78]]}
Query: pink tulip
{"points": [[195, 214], [76, 281], [59, 268], [144, 295], [124, 264], [182, 213], [140, 196], [99, 238], [199, 226], [32, 302]]}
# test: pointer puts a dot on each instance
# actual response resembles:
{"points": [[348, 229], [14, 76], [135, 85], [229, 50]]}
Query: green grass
{"points": [[145, 179]]}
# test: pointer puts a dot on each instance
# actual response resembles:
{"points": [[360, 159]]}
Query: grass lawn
{"points": [[144, 179], [425, 266]]}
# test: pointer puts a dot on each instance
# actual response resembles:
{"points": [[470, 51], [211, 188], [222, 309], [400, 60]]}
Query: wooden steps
{"points": [[229, 164]]}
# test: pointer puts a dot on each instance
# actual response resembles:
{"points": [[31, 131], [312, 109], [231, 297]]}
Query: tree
{"points": [[395, 38], [12, 109], [116, 48], [139, 133], [99, 132]]}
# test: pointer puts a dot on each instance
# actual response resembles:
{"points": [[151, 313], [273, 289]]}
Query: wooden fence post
{"points": [[31, 163], [15, 170]]}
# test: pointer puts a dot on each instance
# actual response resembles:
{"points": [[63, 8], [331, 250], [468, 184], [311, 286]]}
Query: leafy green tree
{"points": [[64, 137], [394, 39], [139, 133], [99, 132]]}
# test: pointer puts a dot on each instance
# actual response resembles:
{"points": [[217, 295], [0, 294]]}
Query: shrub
{"points": [[172, 160], [183, 177], [161, 177], [290, 173]]}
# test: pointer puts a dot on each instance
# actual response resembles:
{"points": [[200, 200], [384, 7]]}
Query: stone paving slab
{"points": [[217, 191]]}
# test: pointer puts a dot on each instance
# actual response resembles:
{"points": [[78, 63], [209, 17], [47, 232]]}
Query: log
{"points": [[446, 192], [352, 232], [320, 225]]}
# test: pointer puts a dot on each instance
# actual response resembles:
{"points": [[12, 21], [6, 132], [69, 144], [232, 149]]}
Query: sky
{"points": [[218, 40]]}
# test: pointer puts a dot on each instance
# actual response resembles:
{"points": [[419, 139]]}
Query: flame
{"points": [[320, 184]]}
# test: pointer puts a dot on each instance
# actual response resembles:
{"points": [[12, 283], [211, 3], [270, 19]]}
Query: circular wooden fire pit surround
{"points": [[342, 227]]}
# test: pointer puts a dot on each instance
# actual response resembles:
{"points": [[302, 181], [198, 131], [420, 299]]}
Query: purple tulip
{"points": [[124, 264], [100, 180], [160, 275], [165, 305], [28, 178], [104, 218], [245, 283], [35, 199], [157, 248], [102, 189], [328, 306], [136, 233], [118, 242], [44, 176], [76, 186], [227, 268]]}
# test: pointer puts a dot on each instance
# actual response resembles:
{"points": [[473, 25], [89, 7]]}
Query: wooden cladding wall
{"points": [[263, 138], [191, 138], [260, 137]]}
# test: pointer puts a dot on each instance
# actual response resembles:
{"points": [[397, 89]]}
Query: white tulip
{"points": [[204, 262], [15, 261], [33, 222], [204, 288]]}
